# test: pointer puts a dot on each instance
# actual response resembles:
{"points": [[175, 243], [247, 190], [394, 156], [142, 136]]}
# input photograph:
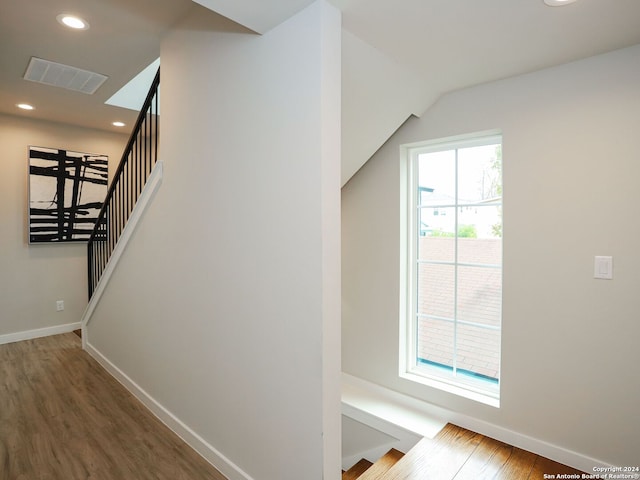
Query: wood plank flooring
{"points": [[382, 466], [63, 417], [460, 454], [358, 469]]}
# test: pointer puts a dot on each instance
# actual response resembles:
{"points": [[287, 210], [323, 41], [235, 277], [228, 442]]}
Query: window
{"points": [[452, 276]]}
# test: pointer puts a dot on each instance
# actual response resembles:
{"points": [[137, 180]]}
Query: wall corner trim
{"points": [[152, 185]]}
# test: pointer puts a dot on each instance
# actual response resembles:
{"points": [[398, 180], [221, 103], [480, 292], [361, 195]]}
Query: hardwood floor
{"points": [[63, 417], [382, 466], [459, 454]]}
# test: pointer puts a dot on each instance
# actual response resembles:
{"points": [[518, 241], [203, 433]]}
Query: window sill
{"points": [[471, 393]]}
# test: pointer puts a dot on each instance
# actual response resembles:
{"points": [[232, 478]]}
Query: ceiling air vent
{"points": [[59, 75]]}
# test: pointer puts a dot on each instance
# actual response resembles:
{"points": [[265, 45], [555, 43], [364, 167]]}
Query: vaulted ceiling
{"points": [[398, 56]]}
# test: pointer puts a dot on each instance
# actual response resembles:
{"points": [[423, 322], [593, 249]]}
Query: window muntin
{"points": [[454, 263]]}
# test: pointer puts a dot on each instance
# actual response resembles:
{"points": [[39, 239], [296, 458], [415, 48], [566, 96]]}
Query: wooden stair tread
{"points": [[358, 469], [382, 465], [459, 454], [436, 459]]}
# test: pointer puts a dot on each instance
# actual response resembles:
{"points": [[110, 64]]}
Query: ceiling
{"points": [[458, 43], [446, 44], [123, 38]]}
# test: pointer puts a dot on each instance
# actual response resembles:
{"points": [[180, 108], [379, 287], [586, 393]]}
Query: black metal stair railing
{"points": [[138, 160]]}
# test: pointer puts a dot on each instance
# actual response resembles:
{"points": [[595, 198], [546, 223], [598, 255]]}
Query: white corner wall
{"points": [[33, 277], [570, 356], [225, 307], [378, 95]]}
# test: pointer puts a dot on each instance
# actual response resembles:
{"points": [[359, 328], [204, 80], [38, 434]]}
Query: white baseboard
{"points": [[39, 332], [525, 442], [199, 444]]}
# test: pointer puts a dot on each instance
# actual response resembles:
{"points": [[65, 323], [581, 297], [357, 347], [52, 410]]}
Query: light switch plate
{"points": [[603, 267]]}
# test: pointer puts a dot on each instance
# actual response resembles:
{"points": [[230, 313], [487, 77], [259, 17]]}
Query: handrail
{"points": [[137, 162]]}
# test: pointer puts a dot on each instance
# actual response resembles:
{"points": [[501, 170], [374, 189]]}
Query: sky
{"points": [[437, 171]]}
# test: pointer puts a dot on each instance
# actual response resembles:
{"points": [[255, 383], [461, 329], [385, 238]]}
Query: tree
{"points": [[496, 188]]}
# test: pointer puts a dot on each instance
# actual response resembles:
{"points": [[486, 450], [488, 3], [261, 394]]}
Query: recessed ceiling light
{"points": [[558, 3], [25, 106], [72, 21], [118, 124]]}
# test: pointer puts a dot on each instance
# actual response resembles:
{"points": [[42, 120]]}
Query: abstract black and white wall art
{"points": [[66, 192]]}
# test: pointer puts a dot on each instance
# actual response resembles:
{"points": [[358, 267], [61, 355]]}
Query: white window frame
{"points": [[470, 388]]}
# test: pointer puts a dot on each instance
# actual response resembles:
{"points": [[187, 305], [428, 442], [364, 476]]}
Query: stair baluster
{"points": [[138, 160]]}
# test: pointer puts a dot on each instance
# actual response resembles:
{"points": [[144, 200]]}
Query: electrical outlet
{"points": [[59, 305]]}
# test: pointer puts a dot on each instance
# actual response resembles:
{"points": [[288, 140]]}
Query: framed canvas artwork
{"points": [[66, 192]]}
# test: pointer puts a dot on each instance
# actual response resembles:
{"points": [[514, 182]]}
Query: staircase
{"points": [[460, 454], [136, 166], [366, 470]]}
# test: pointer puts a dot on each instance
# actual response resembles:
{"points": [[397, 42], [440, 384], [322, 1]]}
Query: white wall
{"points": [[225, 307], [378, 95], [33, 277], [257, 15], [570, 355]]}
